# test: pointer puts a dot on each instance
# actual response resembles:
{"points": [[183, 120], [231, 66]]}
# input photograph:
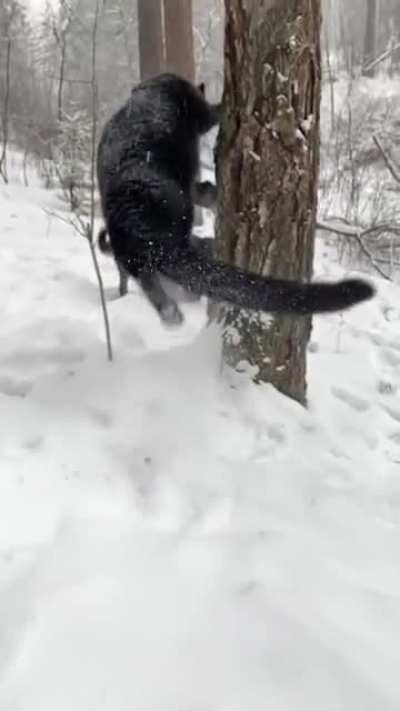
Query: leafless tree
{"points": [[60, 29], [6, 39], [5, 113]]}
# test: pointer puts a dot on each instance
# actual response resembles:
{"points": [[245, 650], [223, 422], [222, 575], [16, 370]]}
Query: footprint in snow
{"points": [[382, 342], [14, 388], [353, 401], [392, 413], [395, 438], [33, 444], [268, 443], [390, 357], [101, 417], [386, 387], [390, 313]]}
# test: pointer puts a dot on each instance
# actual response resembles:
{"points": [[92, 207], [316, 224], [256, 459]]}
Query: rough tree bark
{"points": [[267, 173]]}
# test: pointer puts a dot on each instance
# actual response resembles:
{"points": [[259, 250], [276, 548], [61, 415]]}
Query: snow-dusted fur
{"points": [[148, 161]]}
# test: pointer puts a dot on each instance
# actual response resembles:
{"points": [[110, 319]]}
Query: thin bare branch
{"points": [[90, 227], [344, 230], [76, 222], [393, 169], [369, 66]]}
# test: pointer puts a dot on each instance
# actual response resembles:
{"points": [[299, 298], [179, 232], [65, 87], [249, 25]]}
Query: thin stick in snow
{"points": [[90, 227]]}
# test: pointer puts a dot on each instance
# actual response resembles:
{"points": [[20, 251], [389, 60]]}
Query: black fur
{"points": [[204, 195], [148, 160]]}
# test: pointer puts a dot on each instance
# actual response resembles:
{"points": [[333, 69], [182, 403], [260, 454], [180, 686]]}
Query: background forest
{"points": [[46, 101]]}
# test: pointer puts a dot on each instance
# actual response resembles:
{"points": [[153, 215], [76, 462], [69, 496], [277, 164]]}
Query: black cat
{"points": [[148, 162]]}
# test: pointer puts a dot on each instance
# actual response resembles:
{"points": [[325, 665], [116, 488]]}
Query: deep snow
{"points": [[177, 539]]}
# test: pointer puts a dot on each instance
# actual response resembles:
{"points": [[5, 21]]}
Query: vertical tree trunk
{"points": [[63, 48], [179, 44], [5, 117], [267, 173], [371, 35], [166, 37], [179, 37], [151, 38]]}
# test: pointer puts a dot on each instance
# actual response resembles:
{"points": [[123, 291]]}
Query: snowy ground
{"points": [[174, 540]]}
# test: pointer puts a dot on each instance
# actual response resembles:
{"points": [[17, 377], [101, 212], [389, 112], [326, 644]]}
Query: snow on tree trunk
{"points": [[267, 173]]}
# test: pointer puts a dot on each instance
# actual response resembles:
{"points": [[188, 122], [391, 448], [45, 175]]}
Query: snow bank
{"points": [[176, 540]]}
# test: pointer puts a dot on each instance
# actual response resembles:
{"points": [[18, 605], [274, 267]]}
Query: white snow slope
{"points": [[176, 540]]}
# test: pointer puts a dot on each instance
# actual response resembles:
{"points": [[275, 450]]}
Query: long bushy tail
{"points": [[222, 282]]}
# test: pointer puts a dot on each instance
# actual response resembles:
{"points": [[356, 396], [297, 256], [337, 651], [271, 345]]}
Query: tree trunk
{"points": [[179, 37], [371, 35], [166, 37], [63, 50], [5, 118], [151, 38], [179, 44], [267, 173]]}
